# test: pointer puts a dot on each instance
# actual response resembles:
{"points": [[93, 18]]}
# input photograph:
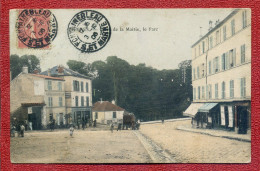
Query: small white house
{"points": [[106, 112]]}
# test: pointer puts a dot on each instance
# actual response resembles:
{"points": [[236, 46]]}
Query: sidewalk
{"points": [[217, 133]]}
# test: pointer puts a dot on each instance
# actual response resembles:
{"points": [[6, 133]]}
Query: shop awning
{"points": [[192, 109], [207, 107]]}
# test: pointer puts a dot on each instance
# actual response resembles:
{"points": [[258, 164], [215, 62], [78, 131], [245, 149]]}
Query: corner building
{"points": [[221, 75]]}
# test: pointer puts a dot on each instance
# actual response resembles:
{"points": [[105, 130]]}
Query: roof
{"points": [[47, 77], [217, 26], [106, 106], [55, 72]]}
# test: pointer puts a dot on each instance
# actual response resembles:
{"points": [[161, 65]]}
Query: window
{"points": [[203, 92], [76, 101], [243, 56], [243, 87], [232, 27], [59, 86], [232, 58], [194, 73], [217, 37], [203, 47], [81, 86], [86, 87], [223, 90], [216, 65], [209, 67], [199, 92], [231, 88], [51, 116], [60, 101], [224, 33], [82, 101], [50, 101], [96, 115], [202, 70], [87, 99], [198, 72], [216, 91], [225, 61], [244, 20], [49, 85], [211, 42], [114, 114], [195, 52], [199, 50], [194, 93], [210, 91], [76, 85]]}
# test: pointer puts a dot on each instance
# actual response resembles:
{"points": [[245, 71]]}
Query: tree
{"points": [[31, 61], [16, 64], [147, 92], [82, 68]]}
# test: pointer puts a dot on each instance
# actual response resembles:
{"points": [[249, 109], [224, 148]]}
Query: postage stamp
{"points": [[89, 31], [36, 28], [130, 85]]}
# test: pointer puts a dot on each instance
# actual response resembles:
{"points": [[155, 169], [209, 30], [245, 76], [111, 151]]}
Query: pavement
{"points": [[217, 133]]}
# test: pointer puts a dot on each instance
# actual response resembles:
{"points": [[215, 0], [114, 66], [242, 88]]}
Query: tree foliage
{"points": [[149, 93], [16, 64]]}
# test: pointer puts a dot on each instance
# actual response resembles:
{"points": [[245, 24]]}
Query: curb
{"points": [[168, 120], [227, 137]]}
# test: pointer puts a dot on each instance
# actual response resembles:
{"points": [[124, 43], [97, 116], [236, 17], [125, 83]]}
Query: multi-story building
{"points": [[35, 100], [221, 74], [78, 94]]}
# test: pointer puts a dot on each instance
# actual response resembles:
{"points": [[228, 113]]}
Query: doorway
{"points": [[242, 119]]}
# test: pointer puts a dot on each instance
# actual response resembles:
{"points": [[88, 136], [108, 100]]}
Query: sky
{"points": [[177, 31]]}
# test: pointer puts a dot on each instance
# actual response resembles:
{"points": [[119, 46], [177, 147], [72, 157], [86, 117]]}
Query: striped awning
{"points": [[192, 109], [207, 107]]}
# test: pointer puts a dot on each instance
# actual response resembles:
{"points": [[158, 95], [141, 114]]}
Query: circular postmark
{"points": [[89, 31], [36, 28]]}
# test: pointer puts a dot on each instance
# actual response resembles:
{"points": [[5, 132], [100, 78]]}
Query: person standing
{"points": [[112, 127], [71, 130], [83, 123], [22, 130]]}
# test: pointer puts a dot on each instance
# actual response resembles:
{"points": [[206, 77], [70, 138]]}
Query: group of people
{"points": [[19, 129]]}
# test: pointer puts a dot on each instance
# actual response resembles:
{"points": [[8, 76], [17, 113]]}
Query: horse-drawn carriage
{"points": [[129, 121]]}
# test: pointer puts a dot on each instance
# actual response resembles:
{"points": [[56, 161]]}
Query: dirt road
{"points": [[83, 147], [153, 143]]}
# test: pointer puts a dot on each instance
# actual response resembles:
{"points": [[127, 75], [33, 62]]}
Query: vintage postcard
{"points": [[130, 85]]}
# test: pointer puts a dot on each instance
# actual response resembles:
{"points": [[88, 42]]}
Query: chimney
{"points": [[25, 70], [113, 102], [210, 25], [60, 70], [101, 100], [49, 72], [36, 71]]}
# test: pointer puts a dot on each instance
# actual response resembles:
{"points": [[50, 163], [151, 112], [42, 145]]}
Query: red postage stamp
{"points": [[36, 28]]}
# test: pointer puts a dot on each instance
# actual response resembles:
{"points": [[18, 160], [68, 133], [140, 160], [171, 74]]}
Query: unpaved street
{"points": [[153, 143], [84, 147]]}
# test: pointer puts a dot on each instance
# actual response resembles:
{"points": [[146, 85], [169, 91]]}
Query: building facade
{"points": [[221, 74], [35, 100], [106, 112], [78, 94]]}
